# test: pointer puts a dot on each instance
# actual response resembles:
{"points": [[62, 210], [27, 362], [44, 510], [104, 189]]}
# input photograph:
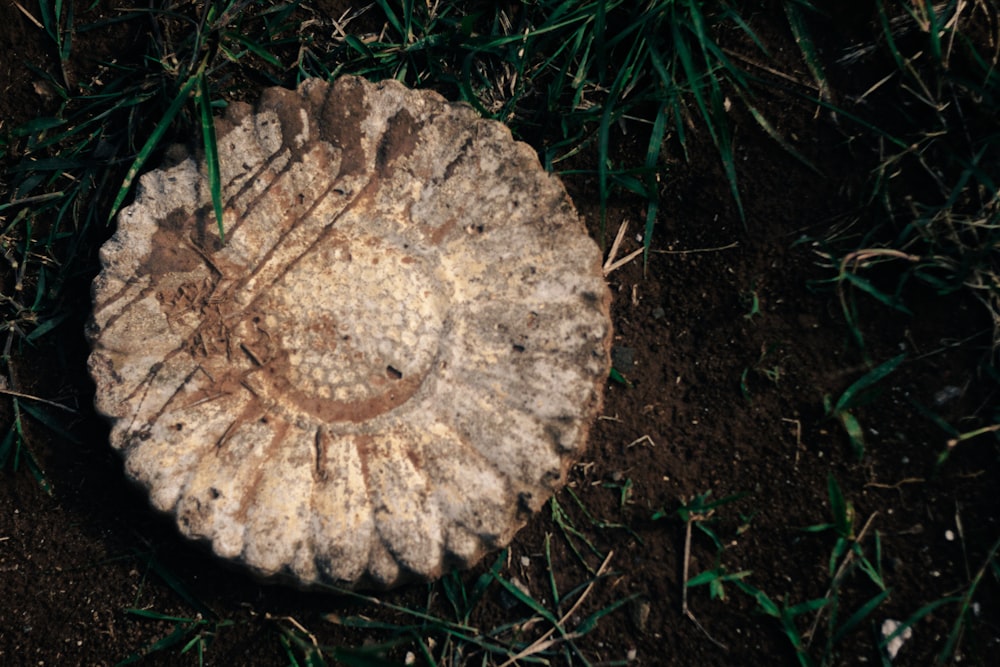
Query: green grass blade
{"points": [[599, 33], [66, 38], [916, 617], [179, 587], [765, 603], [203, 100], [711, 108], [858, 616], [693, 78], [855, 433], [46, 325], [157, 616], [553, 588], [852, 396], [966, 602], [865, 285], [807, 607], [652, 180], [528, 601], [57, 24], [391, 17], [589, 623], [176, 636], [36, 199], [887, 33], [38, 126], [254, 48], [42, 416], [151, 143], [765, 125], [454, 592], [866, 566], [800, 31], [7, 446], [934, 31], [838, 507], [603, 151]]}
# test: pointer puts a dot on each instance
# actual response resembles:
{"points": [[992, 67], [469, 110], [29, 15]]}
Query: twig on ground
{"points": [[734, 244], [28, 14], [610, 265], [684, 591], [638, 441], [17, 394]]}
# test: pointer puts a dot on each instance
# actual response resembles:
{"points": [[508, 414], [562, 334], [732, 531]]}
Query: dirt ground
{"points": [[719, 398]]}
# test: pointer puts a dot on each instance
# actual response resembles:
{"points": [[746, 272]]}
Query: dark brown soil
{"points": [[720, 398]]}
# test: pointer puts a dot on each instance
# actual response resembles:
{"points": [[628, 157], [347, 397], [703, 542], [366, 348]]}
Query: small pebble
{"points": [[890, 626], [947, 394], [639, 610]]}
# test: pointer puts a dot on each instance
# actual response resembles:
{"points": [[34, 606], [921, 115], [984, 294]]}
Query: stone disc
{"points": [[389, 362]]}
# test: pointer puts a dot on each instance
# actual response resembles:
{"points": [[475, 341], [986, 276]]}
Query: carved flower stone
{"points": [[392, 360]]}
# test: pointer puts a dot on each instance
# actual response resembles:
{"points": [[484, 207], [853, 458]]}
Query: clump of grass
{"points": [[71, 171], [935, 191], [569, 76], [848, 555], [442, 631], [819, 629], [543, 624], [192, 634], [700, 513], [861, 392], [14, 452], [574, 77]]}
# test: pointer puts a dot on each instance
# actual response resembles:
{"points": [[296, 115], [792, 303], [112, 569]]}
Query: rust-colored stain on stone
{"points": [[397, 353]]}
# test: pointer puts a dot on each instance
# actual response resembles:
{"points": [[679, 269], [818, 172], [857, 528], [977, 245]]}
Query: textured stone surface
{"points": [[393, 359]]}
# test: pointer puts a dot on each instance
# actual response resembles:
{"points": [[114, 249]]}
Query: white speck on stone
{"points": [[302, 137], [889, 627]]}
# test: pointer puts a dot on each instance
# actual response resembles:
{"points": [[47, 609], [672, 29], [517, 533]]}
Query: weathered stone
{"points": [[391, 361]]}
